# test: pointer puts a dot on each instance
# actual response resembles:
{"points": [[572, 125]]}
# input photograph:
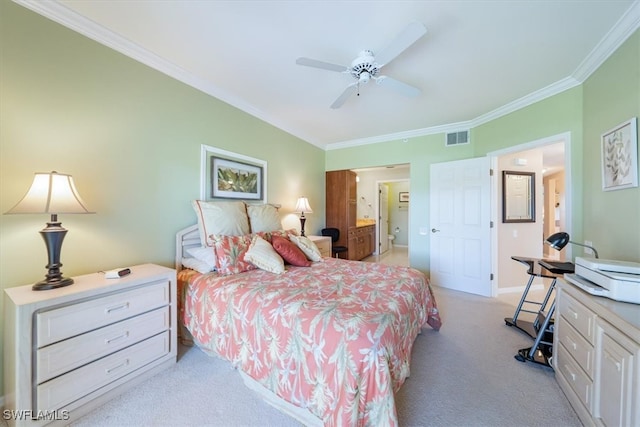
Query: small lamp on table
{"points": [[302, 206], [52, 193]]}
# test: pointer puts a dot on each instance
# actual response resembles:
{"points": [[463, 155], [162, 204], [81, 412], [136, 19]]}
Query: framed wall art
{"points": [[620, 156], [227, 175], [403, 196]]}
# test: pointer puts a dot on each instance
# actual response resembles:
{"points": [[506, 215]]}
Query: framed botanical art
{"points": [[235, 180], [227, 175], [620, 156]]}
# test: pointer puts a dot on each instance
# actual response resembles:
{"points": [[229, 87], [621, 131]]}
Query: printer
{"points": [[617, 280]]}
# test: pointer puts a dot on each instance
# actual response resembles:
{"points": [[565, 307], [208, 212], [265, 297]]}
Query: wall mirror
{"points": [[518, 196]]}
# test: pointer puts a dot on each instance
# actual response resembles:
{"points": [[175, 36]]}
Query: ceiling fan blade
{"points": [[343, 97], [406, 38], [320, 64], [398, 86]]}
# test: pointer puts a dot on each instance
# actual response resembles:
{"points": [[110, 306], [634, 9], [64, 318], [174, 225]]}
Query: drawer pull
{"points": [[573, 313], [573, 376], [119, 337], [118, 308], [115, 368], [612, 360]]}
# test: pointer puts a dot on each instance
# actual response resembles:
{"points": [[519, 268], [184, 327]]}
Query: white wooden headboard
{"points": [[185, 239]]}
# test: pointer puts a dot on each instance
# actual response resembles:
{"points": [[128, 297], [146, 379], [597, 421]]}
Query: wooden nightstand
{"points": [[69, 350], [323, 243]]}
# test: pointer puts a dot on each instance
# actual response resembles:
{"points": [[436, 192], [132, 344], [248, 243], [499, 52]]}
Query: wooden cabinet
{"points": [[341, 206], [363, 241], [597, 357], [70, 349]]}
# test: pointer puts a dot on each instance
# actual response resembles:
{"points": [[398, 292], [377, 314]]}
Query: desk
{"points": [[534, 269]]}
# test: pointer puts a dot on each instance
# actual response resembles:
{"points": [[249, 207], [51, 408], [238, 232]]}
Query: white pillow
{"points": [[222, 218], [204, 254], [263, 218], [197, 265], [309, 248], [262, 255]]}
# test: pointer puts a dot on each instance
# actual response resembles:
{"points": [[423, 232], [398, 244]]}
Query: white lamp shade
{"points": [[302, 206], [51, 193]]}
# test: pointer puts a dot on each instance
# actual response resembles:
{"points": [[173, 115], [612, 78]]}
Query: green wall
{"points": [[131, 138], [551, 116], [609, 97]]}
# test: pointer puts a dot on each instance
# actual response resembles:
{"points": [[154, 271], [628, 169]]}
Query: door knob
{"points": [[434, 230]]}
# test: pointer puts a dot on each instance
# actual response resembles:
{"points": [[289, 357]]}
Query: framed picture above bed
{"points": [[228, 175], [235, 180]]}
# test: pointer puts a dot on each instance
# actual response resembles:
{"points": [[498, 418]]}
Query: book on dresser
{"points": [[71, 349]]}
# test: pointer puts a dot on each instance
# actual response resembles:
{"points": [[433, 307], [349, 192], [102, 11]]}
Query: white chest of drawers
{"points": [[597, 357], [71, 349]]}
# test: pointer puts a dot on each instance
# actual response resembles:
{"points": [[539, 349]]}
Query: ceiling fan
{"points": [[367, 65]]}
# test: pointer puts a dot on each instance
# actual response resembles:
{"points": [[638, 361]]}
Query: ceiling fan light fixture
{"points": [[366, 66]]}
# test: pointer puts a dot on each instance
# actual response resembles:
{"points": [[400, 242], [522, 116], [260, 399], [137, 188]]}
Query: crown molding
{"points": [[61, 14], [619, 33], [401, 136], [57, 12], [516, 105]]}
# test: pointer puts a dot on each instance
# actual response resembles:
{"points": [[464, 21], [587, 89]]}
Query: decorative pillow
{"points": [[263, 218], [289, 251], [263, 256], [230, 254], [204, 254], [307, 246], [197, 265], [268, 235], [220, 218]]}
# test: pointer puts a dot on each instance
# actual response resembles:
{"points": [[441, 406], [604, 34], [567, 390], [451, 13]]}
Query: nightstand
{"points": [[323, 243], [69, 350]]}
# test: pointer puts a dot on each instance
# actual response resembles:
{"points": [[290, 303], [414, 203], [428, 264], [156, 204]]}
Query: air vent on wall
{"points": [[457, 138]]}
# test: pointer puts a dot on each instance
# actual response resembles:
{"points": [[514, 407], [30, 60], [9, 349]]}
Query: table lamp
{"points": [[302, 206], [559, 240], [52, 193]]}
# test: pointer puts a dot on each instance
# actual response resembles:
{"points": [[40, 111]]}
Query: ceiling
{"points": [[478, 60]]}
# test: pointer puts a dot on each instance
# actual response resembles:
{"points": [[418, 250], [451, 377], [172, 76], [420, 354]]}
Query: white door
{"points": [[460, 212], [383, 220]]}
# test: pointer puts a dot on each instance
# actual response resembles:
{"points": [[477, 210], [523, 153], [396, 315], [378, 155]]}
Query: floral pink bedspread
{"points": [[334, 338]]}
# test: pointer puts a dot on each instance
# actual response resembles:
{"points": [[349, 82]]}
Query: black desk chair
{"points": [[334, 233]]}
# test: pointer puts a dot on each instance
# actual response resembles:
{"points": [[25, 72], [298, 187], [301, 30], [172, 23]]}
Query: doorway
{"points": [[396, 179], [550, 159]]}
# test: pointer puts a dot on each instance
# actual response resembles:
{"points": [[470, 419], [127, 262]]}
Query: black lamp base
{"points": [[45, 285], [53, 235], [302, 221]]}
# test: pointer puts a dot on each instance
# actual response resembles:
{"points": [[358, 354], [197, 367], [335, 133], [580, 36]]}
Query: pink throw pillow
{"points": [[289, 251], [230, 251]]}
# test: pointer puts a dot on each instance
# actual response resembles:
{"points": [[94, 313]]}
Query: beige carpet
{"points": [[464, 375]]}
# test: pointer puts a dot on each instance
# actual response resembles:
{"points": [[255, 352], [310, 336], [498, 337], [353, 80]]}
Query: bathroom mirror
{"points": [[518, 196]]}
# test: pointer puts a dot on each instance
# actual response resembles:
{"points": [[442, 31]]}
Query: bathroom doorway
{"points": [[396, 225]]}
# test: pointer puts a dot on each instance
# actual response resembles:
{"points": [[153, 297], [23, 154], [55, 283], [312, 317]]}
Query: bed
{"points": [[328, 343]]}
